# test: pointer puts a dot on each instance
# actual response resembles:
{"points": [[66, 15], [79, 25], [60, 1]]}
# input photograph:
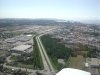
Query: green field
{"points": [[76, 62]]}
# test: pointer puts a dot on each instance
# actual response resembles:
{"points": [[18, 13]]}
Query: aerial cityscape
{"points": [[49, 37], [44, 49]]}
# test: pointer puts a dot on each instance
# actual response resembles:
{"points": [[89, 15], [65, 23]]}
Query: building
{"points": [[61, 61], [21, 49], [11, 40], [71, 71], [21, 38], [24, 38], [95, 62]]}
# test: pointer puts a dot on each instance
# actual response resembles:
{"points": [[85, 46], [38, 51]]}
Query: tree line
{"points": [[55, 50]]}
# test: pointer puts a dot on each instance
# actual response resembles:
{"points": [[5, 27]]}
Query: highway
{"points": [[46, 61], [42, 55], [48, 68]]}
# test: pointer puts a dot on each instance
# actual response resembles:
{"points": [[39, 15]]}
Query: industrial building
{"points": [[21, 38], [30, 42], [95, 62], [24, 38], [21, 49], [11, 40]]}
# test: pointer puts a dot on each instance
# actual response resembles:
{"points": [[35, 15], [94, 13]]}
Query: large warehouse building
{"points": [[21, 49], [21, 38]]}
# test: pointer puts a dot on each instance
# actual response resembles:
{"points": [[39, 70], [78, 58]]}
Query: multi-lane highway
{"points": [[48, 68], [46, 61]]}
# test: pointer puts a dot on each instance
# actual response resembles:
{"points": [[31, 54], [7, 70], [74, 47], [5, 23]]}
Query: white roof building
{"points": [[21, 48], [71, 71]]}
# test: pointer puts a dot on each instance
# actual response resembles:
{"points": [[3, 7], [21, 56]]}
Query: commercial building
{"points": [[11, 40], [95, 62], [21, 38], [24, 38], [21, 49]]}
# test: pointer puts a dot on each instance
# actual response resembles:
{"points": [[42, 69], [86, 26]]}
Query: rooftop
{"points": [[21, 47], [95, 61]]}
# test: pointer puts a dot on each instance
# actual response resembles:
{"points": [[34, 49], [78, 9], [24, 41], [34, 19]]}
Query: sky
{"points": [[59, 9]]}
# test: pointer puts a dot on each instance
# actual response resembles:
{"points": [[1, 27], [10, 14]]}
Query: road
{"points": [[48, 68], [46, 61]]}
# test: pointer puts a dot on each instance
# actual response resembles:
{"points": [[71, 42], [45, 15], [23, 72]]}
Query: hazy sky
{"points": [[61, 9]]}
